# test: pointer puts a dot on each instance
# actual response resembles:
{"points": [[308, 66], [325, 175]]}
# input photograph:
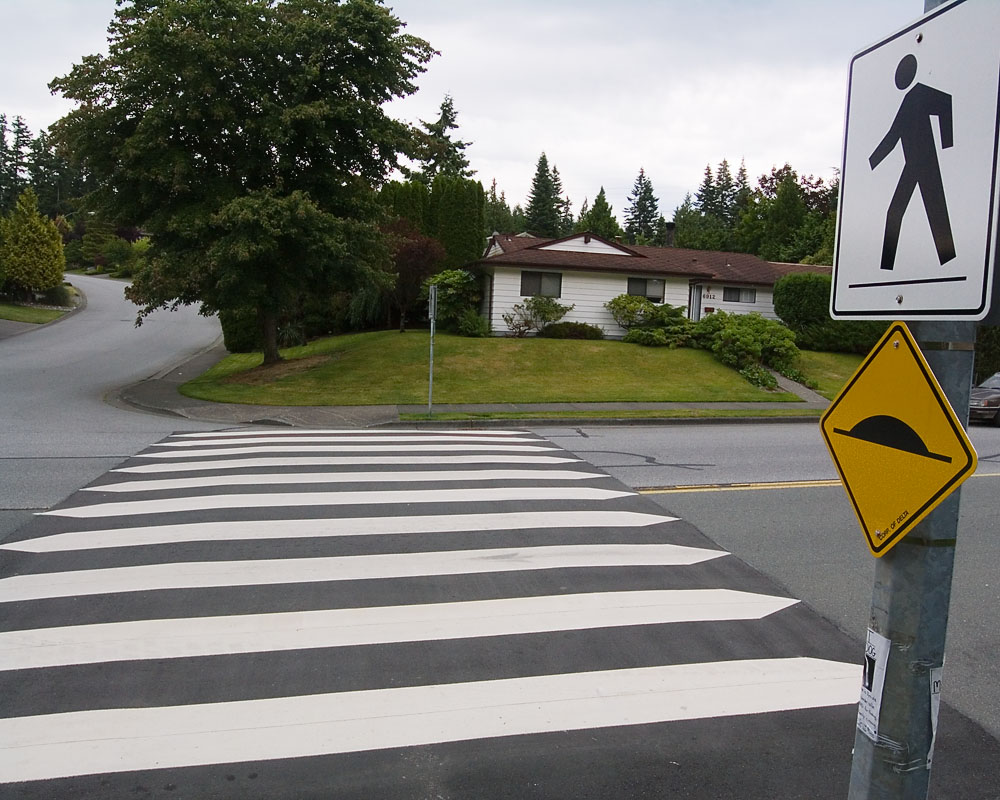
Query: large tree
{"points": [[642, 212], [438, 153], [245, 136], [544, 211]]}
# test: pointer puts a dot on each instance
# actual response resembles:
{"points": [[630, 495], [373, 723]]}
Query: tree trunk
{"points": [[269, 335], [402, 320]]}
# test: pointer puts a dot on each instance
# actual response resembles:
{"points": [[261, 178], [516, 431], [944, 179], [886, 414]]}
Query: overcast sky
{"points": [[603, 87]]}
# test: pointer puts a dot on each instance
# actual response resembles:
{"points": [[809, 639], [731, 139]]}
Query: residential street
{"points": [[328, 614]]}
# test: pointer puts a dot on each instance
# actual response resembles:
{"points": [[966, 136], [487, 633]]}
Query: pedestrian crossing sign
{"points": [[919, 193], [895, 440]]}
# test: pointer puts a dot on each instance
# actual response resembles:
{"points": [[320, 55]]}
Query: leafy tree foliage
{"points": [[415, 257], [544, 212], [599, 218], [244, 135], [642, 211], [437, 152], [987, 352], [31, 250], [458, 292]]}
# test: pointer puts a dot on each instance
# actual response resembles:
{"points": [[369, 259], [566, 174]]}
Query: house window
{"points": [[650, 288], [733, 294], [546, 284]]}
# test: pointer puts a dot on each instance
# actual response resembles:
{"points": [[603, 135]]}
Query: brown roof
{"points": [[523, 251]]}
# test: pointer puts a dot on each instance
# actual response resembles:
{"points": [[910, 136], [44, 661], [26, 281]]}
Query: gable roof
{"points": [[704, 265]]}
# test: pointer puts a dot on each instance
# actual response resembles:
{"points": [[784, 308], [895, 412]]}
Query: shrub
{"points": [[630, 311], [802, 300], [31, 249], [240, 330], [705, 330], [759, 376], [458, 290], [60, 295], [472, 323], [534, 314], [572, 330], [747, 339], [647, 337]]}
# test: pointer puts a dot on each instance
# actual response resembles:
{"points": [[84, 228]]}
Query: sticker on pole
{"points": [[895, 440], [917, 220]]}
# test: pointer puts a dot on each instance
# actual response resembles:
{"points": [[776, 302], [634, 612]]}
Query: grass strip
{"points": [[680, 413], [387, 368], [30, 314]]}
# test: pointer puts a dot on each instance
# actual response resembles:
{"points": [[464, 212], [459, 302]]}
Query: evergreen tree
{"points": [[600, 219], [457, 213], [499, 218], [742, 193], [698, 231], [519, 219], [563, 204], [409, 201], [642, 211], [782, 219], [725, 191], [438, 153], [31, 248], [543, 214], [14, 161], [706, 198]]}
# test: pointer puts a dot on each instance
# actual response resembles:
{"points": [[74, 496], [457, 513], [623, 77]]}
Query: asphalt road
{"points": [[806, 538], [58, 431], [308, 614]]}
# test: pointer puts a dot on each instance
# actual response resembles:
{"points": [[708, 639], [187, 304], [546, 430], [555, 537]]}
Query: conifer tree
{"points": [[706, 197], [31, 248], [600, 219], [438, 153], [642, 211], [543, 215], [499, 218]]}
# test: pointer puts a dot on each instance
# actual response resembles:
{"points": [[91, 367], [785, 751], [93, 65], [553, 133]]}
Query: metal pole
{"points": [[432, 308], [910, 604]]}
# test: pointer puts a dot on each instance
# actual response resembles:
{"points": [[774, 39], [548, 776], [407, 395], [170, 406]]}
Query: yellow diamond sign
{"points": [[895, 440]]}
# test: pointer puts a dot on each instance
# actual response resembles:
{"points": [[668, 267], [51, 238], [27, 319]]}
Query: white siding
{"points": [[580, 245], [711, 297], [588, 291]]}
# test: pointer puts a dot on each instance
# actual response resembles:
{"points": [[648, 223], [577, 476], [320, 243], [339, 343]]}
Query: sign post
{"points": [[432, 305], [916, 240]]}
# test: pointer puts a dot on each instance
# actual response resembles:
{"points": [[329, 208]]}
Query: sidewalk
{"points": [[160, 394]]}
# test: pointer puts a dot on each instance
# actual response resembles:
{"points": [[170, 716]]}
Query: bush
{"points": [[60, 295], [759, 376], [802, 300], [240, 330], [458, 291], [647, 337], [630, 311], [472, 323], [748, 339], [572, 330], [707, 328], [534, 314]]}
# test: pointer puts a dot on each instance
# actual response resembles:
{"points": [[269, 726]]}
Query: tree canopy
{"points": [[245, 136], [31, 249], [599, 218], [544, 211]]}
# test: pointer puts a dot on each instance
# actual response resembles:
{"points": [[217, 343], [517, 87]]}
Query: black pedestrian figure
{"points": [[912, 128]]}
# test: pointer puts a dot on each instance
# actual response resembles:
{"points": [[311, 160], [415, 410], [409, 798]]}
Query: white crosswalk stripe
{"points": [[417, 588]]}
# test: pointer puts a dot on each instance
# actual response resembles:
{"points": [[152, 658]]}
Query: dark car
{"points": [[985, 401]]}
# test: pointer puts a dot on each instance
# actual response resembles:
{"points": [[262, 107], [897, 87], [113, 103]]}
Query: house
{"points": [[586, 271]]}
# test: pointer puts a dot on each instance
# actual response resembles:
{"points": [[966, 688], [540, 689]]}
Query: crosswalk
{"points": [[282, 598]]}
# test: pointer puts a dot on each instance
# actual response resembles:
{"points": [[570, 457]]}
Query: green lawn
{"points": [[830, 371], [390, 368], [28, 313]]}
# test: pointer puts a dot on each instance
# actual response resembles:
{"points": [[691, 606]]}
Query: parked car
{"points": [[984, 403]]}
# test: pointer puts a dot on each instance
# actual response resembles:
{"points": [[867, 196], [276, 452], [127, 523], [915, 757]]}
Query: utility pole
{"points": [[910, 604]]}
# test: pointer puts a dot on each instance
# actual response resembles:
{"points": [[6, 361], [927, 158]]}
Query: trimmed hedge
{"points": [[572, 330]]}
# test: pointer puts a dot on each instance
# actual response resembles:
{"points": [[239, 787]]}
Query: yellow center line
{"points": [[753, 487]]}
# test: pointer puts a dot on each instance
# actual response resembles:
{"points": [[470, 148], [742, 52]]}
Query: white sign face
{"points": [[917, 222]]}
